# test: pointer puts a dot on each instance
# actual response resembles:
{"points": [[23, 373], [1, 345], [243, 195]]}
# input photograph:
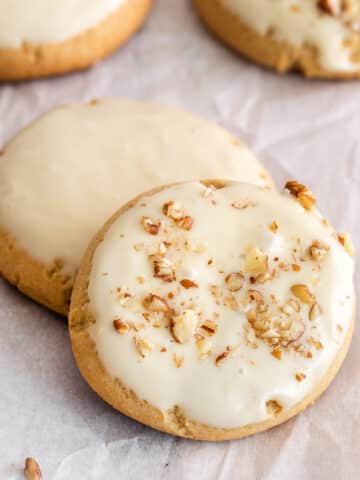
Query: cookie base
{"points": [[34, 61], [264, 49], [115, 393]]}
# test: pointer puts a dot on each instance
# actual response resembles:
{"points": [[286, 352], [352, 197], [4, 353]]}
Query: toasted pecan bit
{"points": [[314, 311], [163, 268], [277, 353], [273, 407], [120, 325], [302, 193], [142, 346], [273, 227], [157, 304], [295, 267], [256, 262], [208, 327], [178, 361], [275, 331], [222, 356], [150, 226], [346, 242], [186, 222], [300, 376], [173, 210], [317, 251], [187, 283], [255, 296], [331, 7], [303, 293], [140, 279], [234, 281], [32, 469], [204, 348], [183, 326], [243, 204]]}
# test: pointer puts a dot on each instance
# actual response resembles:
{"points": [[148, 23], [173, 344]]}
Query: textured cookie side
{"points": [[264, 49], [114, 392], [32, 61], [47, 285]]}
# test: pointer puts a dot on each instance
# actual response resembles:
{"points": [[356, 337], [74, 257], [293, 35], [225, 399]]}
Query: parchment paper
{"points": [[300, 129]]}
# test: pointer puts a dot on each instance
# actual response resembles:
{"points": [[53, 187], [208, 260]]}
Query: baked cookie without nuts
{"points": [[65, 174], [213, 310], [320, 38], [42, 38]]}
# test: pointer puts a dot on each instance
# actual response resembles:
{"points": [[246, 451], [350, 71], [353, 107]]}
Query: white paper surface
{"points": [[300, 129]]}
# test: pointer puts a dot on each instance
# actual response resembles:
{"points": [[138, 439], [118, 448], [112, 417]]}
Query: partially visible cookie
{"points": [[42, 38], [320, 38], [213, 310], [65, 174]]}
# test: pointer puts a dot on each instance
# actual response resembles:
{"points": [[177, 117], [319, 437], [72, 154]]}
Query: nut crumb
{"points": [[300, 376], [157, 304], [302, 193], [317, 251], [234, 281], [150, 226], [346, 242], [142, 346], [222, 356], [32, 469], [277, 353], [120, 325], [204, 348], [183, 326], [178, 361], [256, 262], [314, 311], [187, 283], [303, 293], [273, 407], [273, 227], [208, 327]]}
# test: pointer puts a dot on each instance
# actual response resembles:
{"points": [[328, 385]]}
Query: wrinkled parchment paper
{"points": [[307, 130]]}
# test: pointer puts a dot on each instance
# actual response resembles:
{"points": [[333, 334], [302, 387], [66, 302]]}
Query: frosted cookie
{"points": [[65, 174], [42, 38], [213, 312], [320, 38]]}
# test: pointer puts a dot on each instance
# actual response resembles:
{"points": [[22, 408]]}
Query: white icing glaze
{"points": [[235, 393], [306, 26], [63, 176], [44, 21]]}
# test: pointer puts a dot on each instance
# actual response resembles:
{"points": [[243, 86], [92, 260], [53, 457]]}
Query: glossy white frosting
{"points": [[46, 21], [235, 392], [299, 22], [65, 174]]}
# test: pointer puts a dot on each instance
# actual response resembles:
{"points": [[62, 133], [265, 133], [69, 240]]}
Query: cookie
{"points": [[65, 174], [41, 38], [213, 310], [320, 38]]}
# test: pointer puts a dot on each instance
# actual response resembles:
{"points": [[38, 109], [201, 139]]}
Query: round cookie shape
{"points": [[65, 174], [213, 310], [42, 38], [320, 38]]}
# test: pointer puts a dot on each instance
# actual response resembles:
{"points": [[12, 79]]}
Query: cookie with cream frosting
{"points": [[320, 38], [65, 174], [214, 310], [42, 38]]}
